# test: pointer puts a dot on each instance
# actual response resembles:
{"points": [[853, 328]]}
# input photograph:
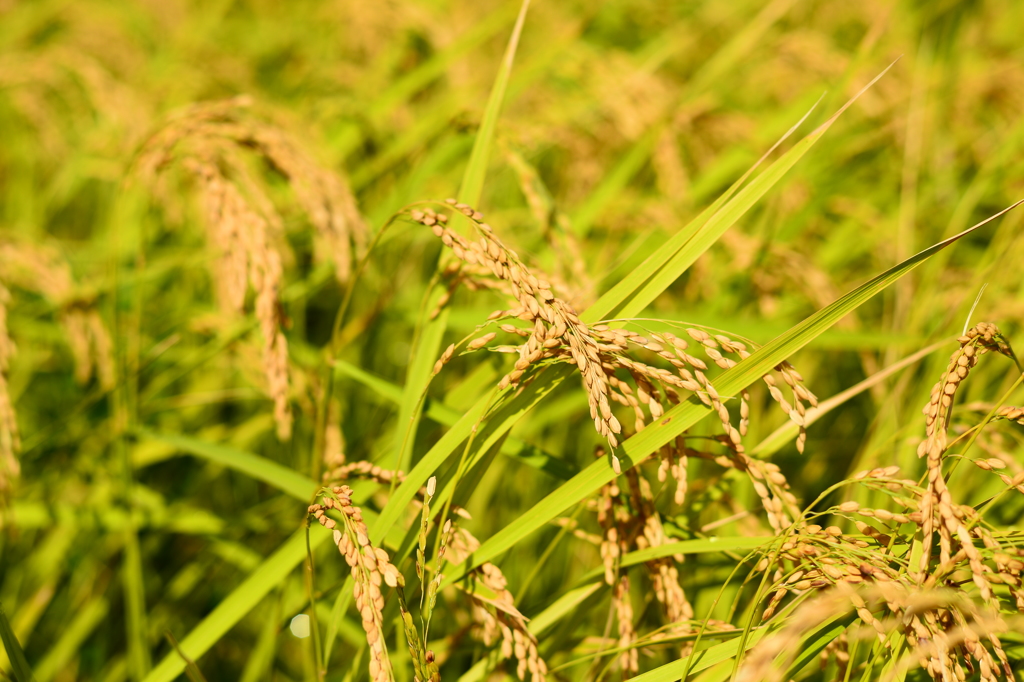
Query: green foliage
{"points": [[212, 294]]}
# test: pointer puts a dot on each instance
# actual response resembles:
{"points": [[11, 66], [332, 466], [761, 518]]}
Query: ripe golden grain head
{"points": [[599, 351], [370, 568], [42, 270], [215, 144]]}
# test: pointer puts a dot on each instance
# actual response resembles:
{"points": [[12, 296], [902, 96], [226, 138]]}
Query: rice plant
{"points": [[539, 341]]}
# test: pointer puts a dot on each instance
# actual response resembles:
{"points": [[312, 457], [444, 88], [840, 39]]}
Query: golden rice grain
{"points": [[211, 142], [370, 566], [41, 269], [503, 624], [598, 351]]}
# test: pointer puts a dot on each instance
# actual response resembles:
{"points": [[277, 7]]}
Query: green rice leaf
{"points": [[16, 655], [473, 180], [637, 290], [259, 468], [701, 546], [240, 602], [702, 660], [562, 607], [428, 346]]}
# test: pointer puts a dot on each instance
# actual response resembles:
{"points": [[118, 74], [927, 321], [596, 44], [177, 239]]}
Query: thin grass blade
{"points": [[240, 602], [259, 468], [615, 298], [428, 348], [19, 664], [646, 283]]}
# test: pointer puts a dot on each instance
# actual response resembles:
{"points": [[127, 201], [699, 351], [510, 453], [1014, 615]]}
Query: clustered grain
{"points": [[950, 637], [630, 522], [42, 270], [213, 143], [370, 568], [939, 513], [947, 605], [555, 333], [497, 619]]}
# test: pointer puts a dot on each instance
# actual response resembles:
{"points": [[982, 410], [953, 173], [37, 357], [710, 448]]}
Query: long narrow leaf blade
{"points": [[428, 348], [666, 265], [19, 664], [476, 171], [243, 599], [613, 299], [700, 546], [259, 468]]}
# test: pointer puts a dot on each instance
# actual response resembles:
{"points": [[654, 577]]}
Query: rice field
{"points": [[474, 341]]}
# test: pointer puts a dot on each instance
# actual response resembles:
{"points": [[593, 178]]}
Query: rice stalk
{"points": [[951, 605], [370, 568], [37, 269], [496, 621], [558, 335], [215, 143]]}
